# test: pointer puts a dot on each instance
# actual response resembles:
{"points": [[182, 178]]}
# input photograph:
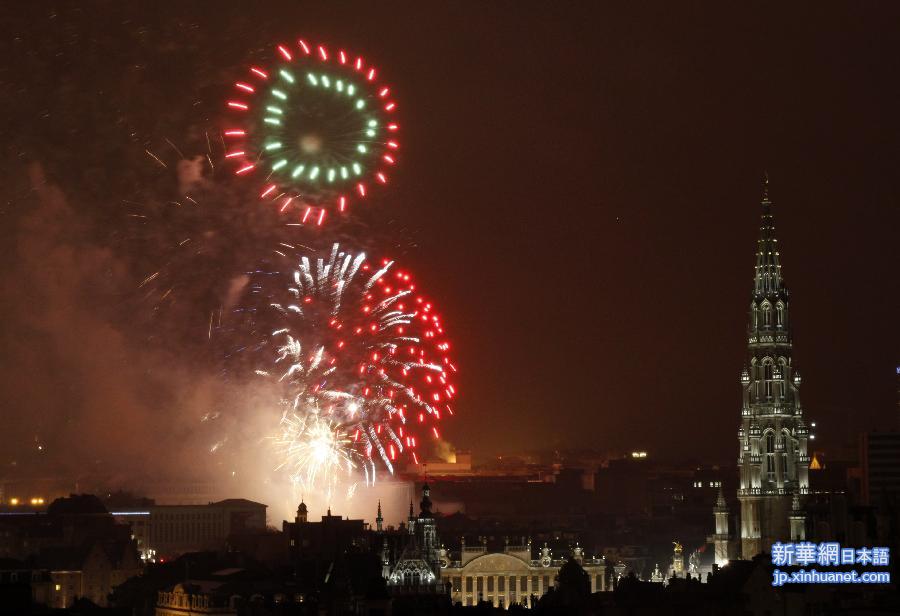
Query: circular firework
{"points": [[361, 353], [317, 125]]}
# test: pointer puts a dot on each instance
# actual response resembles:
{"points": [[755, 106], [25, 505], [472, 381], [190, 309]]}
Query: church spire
{"points": [[767, 279], [379, 520]]}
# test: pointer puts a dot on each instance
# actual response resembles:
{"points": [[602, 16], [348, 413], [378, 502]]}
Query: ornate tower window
{"points": [[780, 315], [767, 377], [770, 455], [767, 314]]}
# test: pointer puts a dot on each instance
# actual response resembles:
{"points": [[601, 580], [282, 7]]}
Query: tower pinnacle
{"points": [[767, 278]]}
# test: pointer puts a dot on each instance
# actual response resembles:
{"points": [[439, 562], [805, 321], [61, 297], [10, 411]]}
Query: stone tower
{"points": [[302, 513], [772, 458], [720, 539], [427, 533], [798, 520]]}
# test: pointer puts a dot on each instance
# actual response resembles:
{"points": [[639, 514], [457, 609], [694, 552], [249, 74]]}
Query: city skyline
{"points": [[425, 308], [589, 234]]}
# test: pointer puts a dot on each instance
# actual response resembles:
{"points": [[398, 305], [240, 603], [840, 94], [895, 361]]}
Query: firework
{"points": [[315, 450], [317, 125], [356, 345]]}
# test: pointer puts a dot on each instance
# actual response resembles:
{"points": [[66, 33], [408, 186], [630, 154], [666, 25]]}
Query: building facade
{"points": [[513, 576], [879, 461], [167, 531], [190, 600], [418, 568], [773, 434]]}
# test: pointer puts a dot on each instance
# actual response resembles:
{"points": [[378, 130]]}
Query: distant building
{"points": [[191, 600], [879, 460], [77, 544], [459, 466], [418, 568], [90, 571], [323, 541], [513, 576], [22, 584], [167, 531], [773, 435]]}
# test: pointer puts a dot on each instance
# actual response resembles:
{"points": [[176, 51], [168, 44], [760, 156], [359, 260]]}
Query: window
{"points": [[769, 445]]}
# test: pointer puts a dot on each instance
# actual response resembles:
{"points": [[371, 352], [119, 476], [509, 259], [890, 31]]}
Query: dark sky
{"points": [[580, 189]]}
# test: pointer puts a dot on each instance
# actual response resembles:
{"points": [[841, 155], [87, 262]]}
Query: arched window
{"points": [[767, 376], [754, 316], [767, 314], [770, 454], [780, 320]]}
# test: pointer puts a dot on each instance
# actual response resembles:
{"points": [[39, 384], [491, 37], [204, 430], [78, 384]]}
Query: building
{"points": [[167, 531], [77, 544], [22, 585], [323, 541], [191, 600], [513, 576], [418, 568], [879, 461], [773, 434], [90, 571]]}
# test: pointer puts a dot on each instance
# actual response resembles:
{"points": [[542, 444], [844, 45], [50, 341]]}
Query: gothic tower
{"points": [[773, 459], [428, 533], [720, 539]]}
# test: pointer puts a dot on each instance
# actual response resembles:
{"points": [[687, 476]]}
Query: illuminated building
{"points": [[513, 576], [773, 435], [167, 531], [418, 567], [190, 600], [721, 538]]}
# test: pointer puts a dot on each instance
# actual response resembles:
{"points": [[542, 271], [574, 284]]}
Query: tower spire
{"points": [[379, 520], [773, 452], [767, 277]]}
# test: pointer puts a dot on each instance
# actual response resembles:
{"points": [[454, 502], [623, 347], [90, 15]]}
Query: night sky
{"points": [[579, 191]]}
